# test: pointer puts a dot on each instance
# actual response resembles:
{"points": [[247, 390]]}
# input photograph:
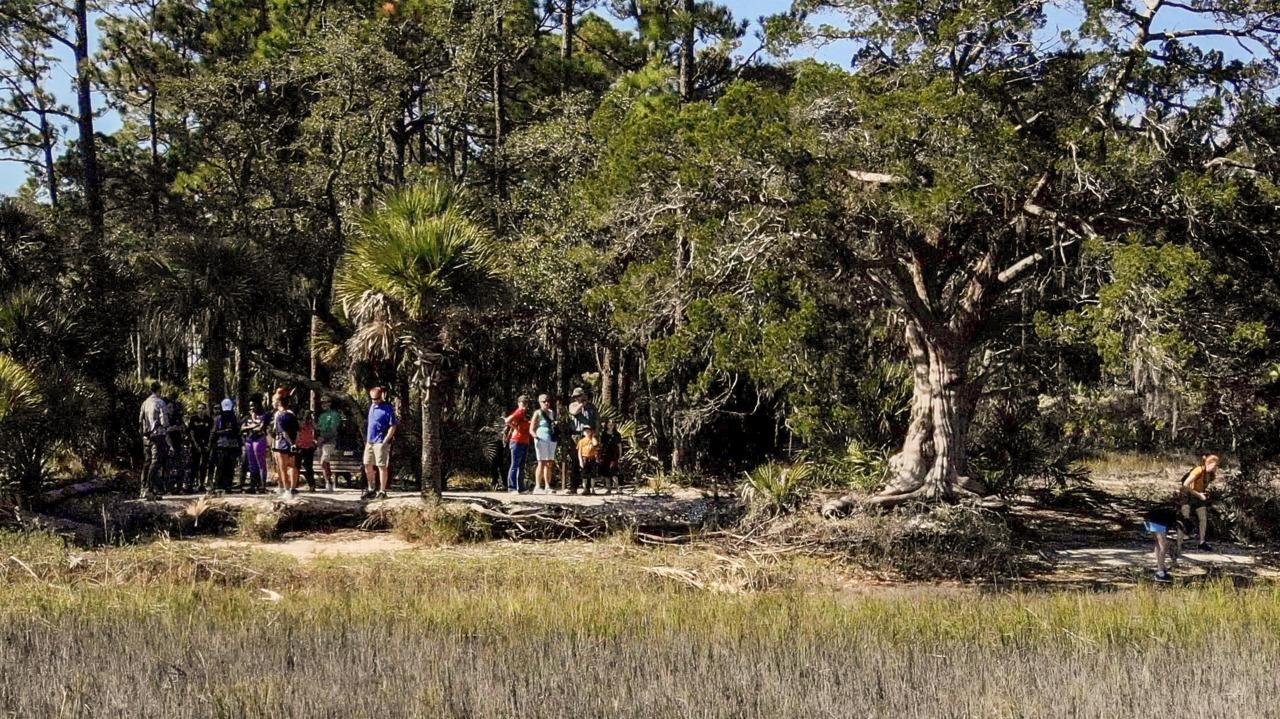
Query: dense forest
{"points": [[1009, 233]]}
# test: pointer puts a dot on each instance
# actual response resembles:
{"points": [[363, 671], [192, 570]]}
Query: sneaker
{"points": [[380, 495], [1163, 577], [1204, 547], [294, 492], [368, 494]]}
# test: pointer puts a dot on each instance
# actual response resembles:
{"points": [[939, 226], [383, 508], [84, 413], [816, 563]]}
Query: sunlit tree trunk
{"points": [[84, 118], [432, 455], [686, 51], [608, 397]]}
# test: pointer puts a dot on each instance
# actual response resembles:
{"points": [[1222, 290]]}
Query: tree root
{"points": [[963, 488]]}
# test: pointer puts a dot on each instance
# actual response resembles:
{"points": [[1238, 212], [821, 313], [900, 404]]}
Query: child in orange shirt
{"points": [[589, 458]]}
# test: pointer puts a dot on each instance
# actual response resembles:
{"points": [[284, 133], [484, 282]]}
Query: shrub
{"points": [[263, 525], [939, 542], [1017, 449], [439, 523], [861, 466], [1248, 504], [772, 489]]}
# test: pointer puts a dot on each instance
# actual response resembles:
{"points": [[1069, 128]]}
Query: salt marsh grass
{"points": [[172, 630]]}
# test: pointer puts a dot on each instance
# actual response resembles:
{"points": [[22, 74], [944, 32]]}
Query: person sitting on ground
{"points": [[284, 445], [1195, 489], [329, 424], [306, 449], [1160, 521], [543, 428], [589, 460], [377, 447], [518, 439], [226, 445]]}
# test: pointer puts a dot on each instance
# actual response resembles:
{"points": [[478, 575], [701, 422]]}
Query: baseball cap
{"points": [[228, 405], [578, 391]]}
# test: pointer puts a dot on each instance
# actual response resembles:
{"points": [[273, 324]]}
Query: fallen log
{"points": [[79, 532]]}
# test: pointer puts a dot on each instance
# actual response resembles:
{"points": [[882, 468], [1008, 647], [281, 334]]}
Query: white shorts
{"points": [[328, 452], [545, 450], [377, 454]]}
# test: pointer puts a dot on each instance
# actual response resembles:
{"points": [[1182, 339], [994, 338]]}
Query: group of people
{"points": [[595, 448], [226, 451], [1172, 516]]}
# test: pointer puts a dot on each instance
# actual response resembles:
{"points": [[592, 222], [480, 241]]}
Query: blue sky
{"points": [[12, 174]]}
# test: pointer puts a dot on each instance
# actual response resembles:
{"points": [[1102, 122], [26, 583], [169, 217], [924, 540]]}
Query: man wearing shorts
{"points": [[377, 445], [1195, 488], [328, 425]]}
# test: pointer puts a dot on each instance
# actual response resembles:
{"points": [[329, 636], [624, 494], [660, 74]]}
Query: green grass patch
{"points": [[173, 629]]}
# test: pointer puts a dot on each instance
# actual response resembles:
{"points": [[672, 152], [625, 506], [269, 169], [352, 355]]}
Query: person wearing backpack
{"points": [[1195, 489], [543, 428]]}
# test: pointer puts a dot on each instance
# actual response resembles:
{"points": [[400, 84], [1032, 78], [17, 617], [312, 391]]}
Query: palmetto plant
{"points": [[420, 265], [18, 389], [774, 488]]}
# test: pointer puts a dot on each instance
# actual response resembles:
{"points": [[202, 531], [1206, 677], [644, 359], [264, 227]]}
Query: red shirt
{"points": [[518, 421]]}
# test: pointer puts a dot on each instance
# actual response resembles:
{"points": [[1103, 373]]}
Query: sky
{"points": [[13, 175]]}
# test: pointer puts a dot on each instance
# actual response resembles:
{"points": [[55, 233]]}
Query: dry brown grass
{"points": [[587, 630]]}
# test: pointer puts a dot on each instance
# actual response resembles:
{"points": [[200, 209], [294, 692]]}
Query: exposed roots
{"points": [[962, 488]]}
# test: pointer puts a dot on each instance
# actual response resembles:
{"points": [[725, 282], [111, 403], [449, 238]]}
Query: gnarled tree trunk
{"points": [[933, 461]]}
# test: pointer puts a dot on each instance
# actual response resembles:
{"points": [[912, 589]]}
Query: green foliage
{"points": [[1018, 447], [859, 466], [440, 523], [773, 488], [18, 390]]}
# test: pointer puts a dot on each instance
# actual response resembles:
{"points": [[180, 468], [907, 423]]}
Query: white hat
{"points": [[228, 405]]}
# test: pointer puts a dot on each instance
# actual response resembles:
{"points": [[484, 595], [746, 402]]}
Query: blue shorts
{"points": [[1155, 528]]}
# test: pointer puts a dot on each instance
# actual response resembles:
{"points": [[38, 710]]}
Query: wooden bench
{"points": [[346, 463]]}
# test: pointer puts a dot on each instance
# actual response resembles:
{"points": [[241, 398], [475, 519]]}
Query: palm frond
{"points": [[18, 388]]}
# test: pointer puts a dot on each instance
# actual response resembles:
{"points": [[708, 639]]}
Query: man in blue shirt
{"points": [[377, 445]]}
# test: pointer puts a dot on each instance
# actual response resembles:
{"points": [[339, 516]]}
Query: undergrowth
{"points": [[438, 523]]}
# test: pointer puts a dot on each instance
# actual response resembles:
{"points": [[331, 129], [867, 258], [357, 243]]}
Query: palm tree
{"points": [[419, 266], [205, 284]]}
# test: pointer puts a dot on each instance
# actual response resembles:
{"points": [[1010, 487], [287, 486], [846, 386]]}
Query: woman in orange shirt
{"points": [[518, 440], [1195, 489]]}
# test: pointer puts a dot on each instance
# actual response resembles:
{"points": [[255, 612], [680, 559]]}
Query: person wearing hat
{"points": [[225, 443], [582, 415], [328, 426]]}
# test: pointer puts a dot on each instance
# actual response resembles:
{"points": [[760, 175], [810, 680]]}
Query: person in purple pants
{"points": [[254, 429]]}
